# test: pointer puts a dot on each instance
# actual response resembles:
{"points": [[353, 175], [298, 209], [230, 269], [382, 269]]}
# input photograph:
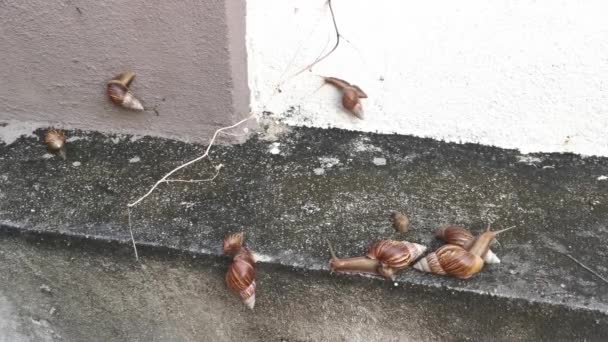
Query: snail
{"points": [[55, 142], [458, 235], [453, 260], [351, 95], [384, 258], [400, 221], [240, 277], [118, 91]]}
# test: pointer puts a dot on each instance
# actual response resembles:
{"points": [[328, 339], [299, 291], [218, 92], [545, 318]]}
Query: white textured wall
{"points": [[523, 74]]}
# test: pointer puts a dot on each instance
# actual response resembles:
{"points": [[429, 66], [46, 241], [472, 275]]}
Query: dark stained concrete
{"points": [[290, 195]]}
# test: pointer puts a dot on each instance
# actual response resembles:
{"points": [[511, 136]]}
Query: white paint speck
{"points": [[262, 257], [601, 178], [563, 286], [362, 145], [319, 171], [76, 163], [395, 284], [379, 161], [530, 160], [328, 162], [71, 139], [47, 156], [274, 148], [135, 159]]}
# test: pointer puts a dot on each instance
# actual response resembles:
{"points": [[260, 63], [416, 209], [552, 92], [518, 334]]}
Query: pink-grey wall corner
{"points": [[189, 57]]}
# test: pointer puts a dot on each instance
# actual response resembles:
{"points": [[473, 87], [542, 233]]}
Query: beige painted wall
{"points": [[189, 57]]}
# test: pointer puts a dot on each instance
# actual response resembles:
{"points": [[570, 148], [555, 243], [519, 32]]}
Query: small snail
{"points": [[384, 258], [400, 221], [55, 142], [456, 261], [240, 277], [460, 236], [118, 91], [351, 95]]}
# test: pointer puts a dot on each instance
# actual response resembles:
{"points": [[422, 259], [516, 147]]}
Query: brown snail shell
{"points": [[240, 277], [118, 91], [401, 222], [350, 95], [394, 255], [460, 236], [384, 258], [55, 142], [456, 261], [351, 102], [451, 260]]}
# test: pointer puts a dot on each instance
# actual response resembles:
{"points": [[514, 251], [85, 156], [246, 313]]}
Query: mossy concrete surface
{"points": [[294, 193]]}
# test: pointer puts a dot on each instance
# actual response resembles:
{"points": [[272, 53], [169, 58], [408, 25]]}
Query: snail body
{"points": [[240, 277], [384, 258], [119, 93], [454, 260], [351, 95], [55, 142], [460, 236]]}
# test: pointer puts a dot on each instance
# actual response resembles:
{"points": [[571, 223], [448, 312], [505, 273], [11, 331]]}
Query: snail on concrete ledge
{"points": [[240, 277], [455, 261], [384, 258], [460, 236]]}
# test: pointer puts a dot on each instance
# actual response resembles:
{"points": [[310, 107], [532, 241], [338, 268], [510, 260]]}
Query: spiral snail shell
{"points": [[384, 258], [451, 260], [55, 142], [400, 221], [460, 236], [394, 255], [454, 260], [240, 277], [119, 93], [351, 95]]}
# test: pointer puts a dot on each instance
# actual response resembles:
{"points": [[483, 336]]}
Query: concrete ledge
{"points": [[292, 194], [53, 288]]}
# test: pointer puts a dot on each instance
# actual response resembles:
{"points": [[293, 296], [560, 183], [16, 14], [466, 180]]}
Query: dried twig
{"points": [[217, 172], [164, 179], [132, 238], [338, 35], [585, 267]]}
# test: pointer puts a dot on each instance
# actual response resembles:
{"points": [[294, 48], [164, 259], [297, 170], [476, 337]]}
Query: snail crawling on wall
{"points": [[119, 93], [240, 277], [454, 260], [384, 258], [351, 95]]}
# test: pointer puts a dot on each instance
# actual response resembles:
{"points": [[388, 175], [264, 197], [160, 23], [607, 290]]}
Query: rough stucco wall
{"points": [[57, 56], [523, 74]]}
